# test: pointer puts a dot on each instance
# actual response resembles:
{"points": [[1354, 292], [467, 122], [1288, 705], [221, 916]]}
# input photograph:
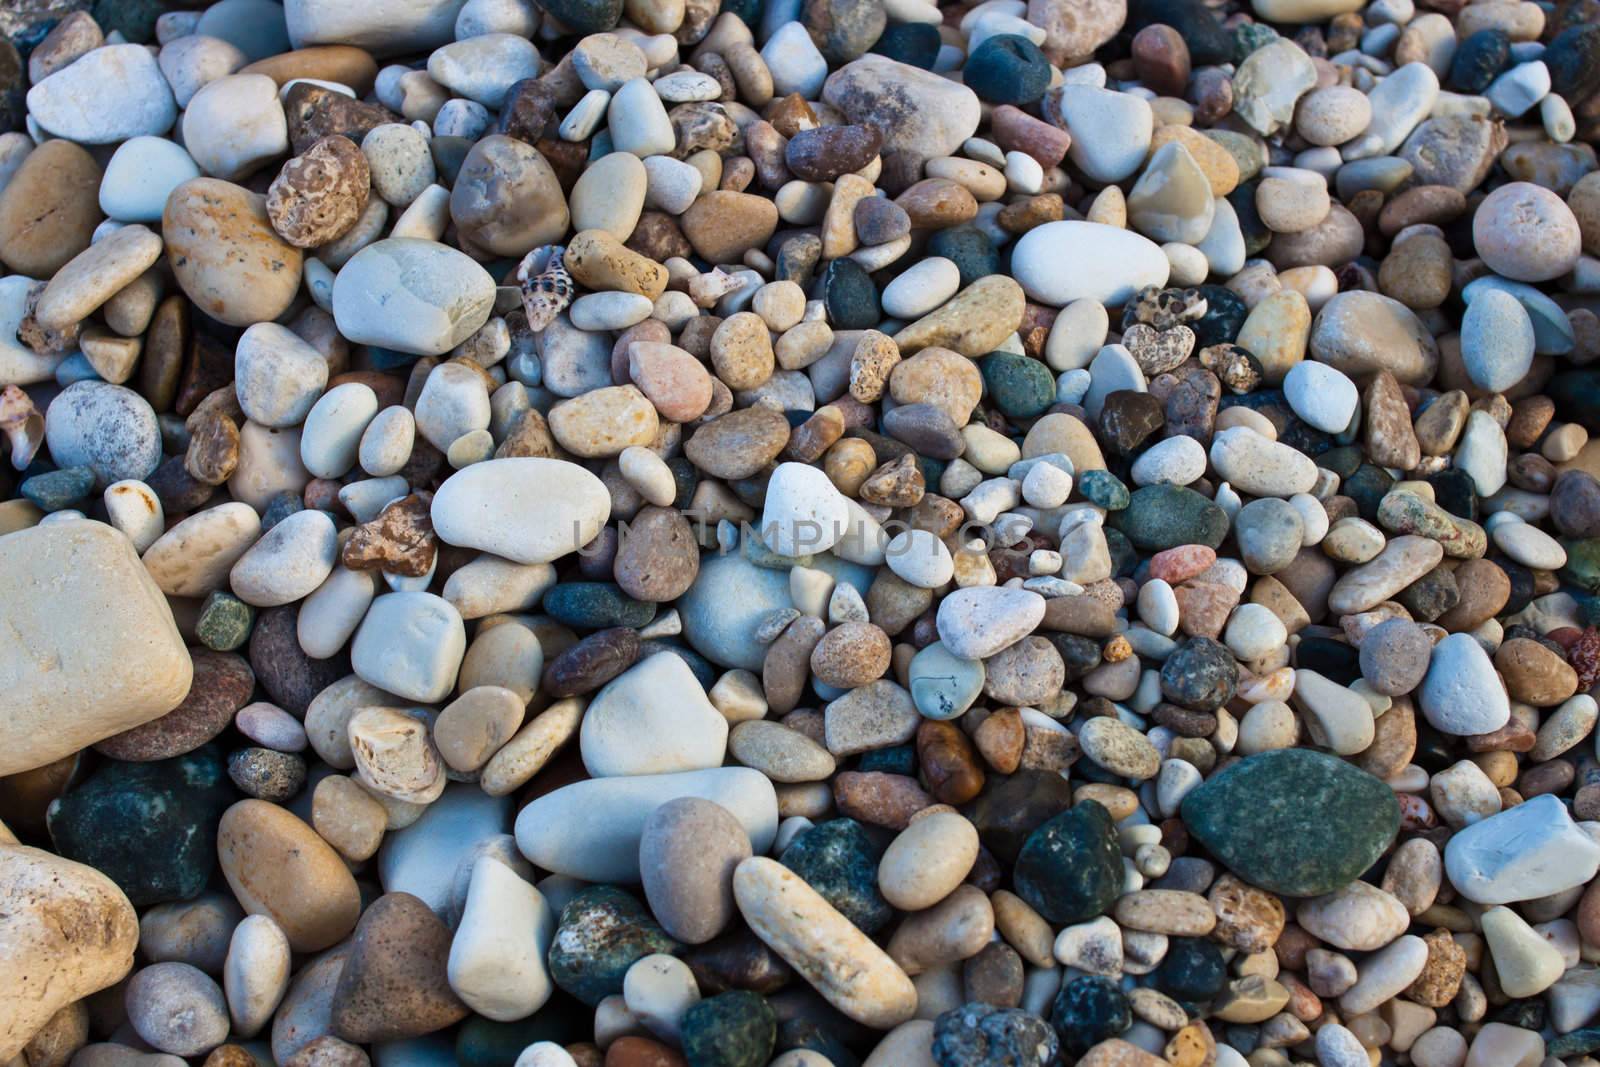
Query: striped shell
{"points": [[547, 288]]}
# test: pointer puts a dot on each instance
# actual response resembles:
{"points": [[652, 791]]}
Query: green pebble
{"points": [[1070, 869], [603, 931], [1160, 517], [1020, 387], [60, 489], [732, 1029], [1249, 36], [596, 606], [224, 622], [1103, 488], [1327, 821], [840, 862], [1583, 563]]}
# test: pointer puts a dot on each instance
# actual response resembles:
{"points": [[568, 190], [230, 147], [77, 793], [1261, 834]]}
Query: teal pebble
{"points": [[59, 490], [969, 249], [732, 1029], [1327, 820], [224, 622], [585, 16], [1249, 36], [1007, 69], [1103, 488], [1020, 387], [596, 606], [915, 44], [1159, 517]]}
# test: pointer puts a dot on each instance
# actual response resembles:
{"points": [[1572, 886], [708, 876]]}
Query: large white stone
{"points": [[1461, 693], [652, 718], [497, 957], [1523, 853], [411, 295], [1111, 131], [424, 858], [804, 513], [109, 95], [1060, 262], [140, 174], [525, 509], [484, 67], [90, 647], [410, 644], [591, 829], [236, 125]]}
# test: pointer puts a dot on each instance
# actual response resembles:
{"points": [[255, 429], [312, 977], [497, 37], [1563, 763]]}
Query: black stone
{"points": [[1224, 317], [851, 296], [1007, 69], [1012, 807], [981, 1035], [1087, 1011], [1478, 59], [149, 827], [1200, 675], [915, 44], [969, 249], [1192, 970], [1070, 869]]}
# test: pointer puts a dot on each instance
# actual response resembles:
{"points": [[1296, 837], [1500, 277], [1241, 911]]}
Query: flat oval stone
{"points": [[525, 509], [1328, 821], [1105, 263], [225, 254]]}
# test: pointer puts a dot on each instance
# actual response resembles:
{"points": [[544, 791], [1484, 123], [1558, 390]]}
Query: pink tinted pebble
{"points": [[1176, 565], [271, 727]]}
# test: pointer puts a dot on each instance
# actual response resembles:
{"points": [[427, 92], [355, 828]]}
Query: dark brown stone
{"points": [[822, 154], [592, 662], [290, 677], [315, 113]]}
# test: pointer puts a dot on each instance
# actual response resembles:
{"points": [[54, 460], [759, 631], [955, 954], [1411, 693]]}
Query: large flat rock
{"points": [[89, 648]]}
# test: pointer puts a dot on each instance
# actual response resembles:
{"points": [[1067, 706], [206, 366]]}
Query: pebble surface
{"points": [[800, 534]]}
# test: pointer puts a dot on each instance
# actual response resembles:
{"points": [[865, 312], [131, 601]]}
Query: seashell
{"points": [[547, 288]]}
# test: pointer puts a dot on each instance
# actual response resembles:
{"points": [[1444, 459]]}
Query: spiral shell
{"points": [[547, 288]]}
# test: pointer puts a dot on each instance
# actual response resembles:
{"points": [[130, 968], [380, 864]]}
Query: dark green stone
{"points": [[485, 1043], [1087, 1011], [1159, 517], [135, 19], [1192, 970], [1249, 36], [1580, 1042], [804, 1033], [1209, 43], [1478, 59], [1456, 492], [1200, 675], [603, 931], [969, 249], [895, 759], [1070, 869], [1124, 557], [1342, 461], [585, 16], [746, 11], [1224, 317], [1007, 69], [60, 489], [1020, 387], [850, 295], [915, 44], [1583, 564], [982, 1035], [1293, 821], [840, 862], [224, 622], [149, 827], [1577, 397], [1257, 235], [1367, 487], [596, 606], [1103, 488], [1573, 57], [733, 1029]]}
